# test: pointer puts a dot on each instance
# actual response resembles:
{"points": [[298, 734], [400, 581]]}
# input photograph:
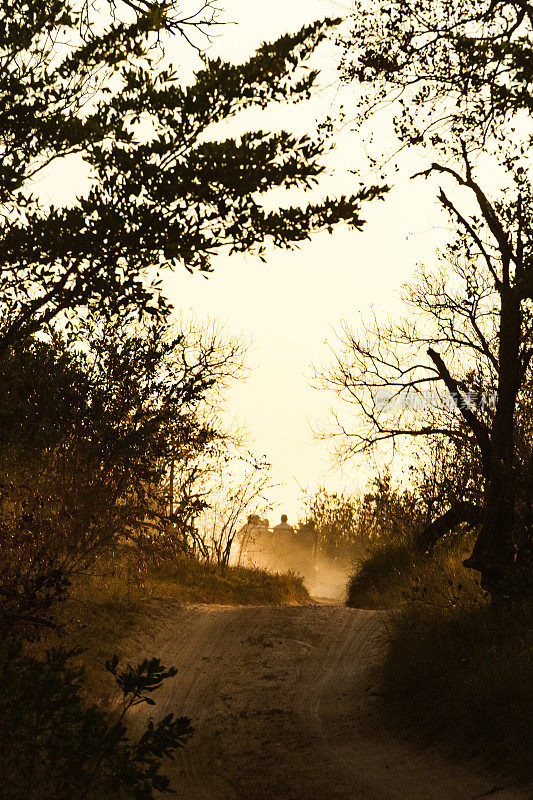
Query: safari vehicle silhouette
{"points": [[281, 548]]}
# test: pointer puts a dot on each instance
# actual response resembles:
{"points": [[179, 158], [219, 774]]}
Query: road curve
{"points": [[284, 708]]}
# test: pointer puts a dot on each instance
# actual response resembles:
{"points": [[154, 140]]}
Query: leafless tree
{"points": [[240, 491], [468, 335]]}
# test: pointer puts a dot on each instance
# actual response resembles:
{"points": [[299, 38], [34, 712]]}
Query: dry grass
{"points": [[192, 582], [464, 674], [458, 670], [106, 605]]}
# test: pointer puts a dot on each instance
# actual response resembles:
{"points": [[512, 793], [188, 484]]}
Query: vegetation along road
{"points": [[284, 705]]}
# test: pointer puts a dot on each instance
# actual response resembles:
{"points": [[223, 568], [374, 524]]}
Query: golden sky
{"points": [[287, 307]]}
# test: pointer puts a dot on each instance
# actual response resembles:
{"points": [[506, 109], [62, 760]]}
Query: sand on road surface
{"points": [[283, 702]]}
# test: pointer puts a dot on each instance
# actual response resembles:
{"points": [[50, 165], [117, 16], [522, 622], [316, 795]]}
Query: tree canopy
{"points": [[163, 191], [457, 78], [462, 68]]}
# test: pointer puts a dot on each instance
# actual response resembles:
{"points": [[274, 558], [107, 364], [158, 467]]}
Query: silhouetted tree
{"points": [[458, 68], [239, 486], [87, 434], [456, 79], [165, 188], [482, 327]]}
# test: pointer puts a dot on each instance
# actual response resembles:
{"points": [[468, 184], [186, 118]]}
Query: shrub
{"points": [[54, 744], [457, 668], [395, 571], [464, 672], [382, 574]]}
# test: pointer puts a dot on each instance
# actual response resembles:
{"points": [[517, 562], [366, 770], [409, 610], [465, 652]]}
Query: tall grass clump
{"points": [[463, 672], [458, 669], [382, 575], [189, 580]]}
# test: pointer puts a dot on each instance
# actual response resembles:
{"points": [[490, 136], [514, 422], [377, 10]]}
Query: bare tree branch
{"points": [[477, 427]]}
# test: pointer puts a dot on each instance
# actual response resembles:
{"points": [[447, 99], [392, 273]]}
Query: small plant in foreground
{"points": [[54, 744]]}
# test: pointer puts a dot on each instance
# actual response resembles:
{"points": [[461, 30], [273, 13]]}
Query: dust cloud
{"points": [[324, 578]]}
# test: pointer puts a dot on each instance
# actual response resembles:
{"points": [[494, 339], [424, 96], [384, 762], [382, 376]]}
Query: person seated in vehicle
{"points": [[283, 527]]}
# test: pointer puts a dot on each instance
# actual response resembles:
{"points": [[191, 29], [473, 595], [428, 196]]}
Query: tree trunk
{"points": [[171, 490], [462, 511], [493, 554]]}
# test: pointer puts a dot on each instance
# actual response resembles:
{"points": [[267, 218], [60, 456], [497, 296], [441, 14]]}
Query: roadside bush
{"points": [[345, 526], [464, 671], [395, 571], [37, 561], [381, 576], [55, 745], [457, 669]]}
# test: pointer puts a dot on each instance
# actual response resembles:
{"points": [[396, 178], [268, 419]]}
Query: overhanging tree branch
{"points": [[489, 214], [478, 428]]}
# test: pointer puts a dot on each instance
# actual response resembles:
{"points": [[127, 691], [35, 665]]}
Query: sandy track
{"points": [[283, 707]]}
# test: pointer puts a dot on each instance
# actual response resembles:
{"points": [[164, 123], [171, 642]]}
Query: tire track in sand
{"points": [[282, 703]]}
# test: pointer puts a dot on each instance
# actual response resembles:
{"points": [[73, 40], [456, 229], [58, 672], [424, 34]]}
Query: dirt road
{"points": [[283, 703]]}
